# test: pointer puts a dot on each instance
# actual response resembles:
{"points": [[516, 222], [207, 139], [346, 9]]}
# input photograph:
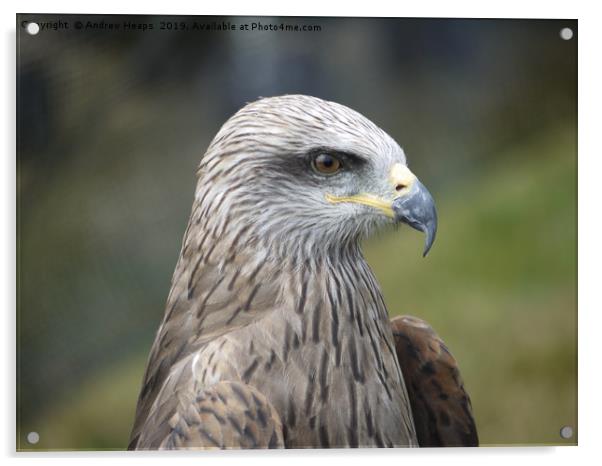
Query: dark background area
{"points": [[111, 126]]}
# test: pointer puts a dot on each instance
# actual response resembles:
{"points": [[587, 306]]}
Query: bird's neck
{"points": [[333, 303], [229, 276], [336, 288]]}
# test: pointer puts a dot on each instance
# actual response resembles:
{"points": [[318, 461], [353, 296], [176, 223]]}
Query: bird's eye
{"points": [[326, 164]]}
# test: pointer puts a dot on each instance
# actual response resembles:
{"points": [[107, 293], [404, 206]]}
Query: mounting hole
{"points": [[566, 33], [566, 432], [32, 28], [33, 438]]}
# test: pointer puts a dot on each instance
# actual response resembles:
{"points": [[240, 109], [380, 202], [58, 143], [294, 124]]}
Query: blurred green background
{"points": [[111, 126]]}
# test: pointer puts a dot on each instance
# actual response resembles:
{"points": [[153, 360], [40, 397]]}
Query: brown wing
{"points": [[225, 415], [440, 405]]}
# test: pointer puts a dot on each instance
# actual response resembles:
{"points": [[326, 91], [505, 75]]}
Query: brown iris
{"points": [[327, 164]]}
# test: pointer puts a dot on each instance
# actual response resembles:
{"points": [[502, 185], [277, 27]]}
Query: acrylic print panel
{"points": [[193, 277]]}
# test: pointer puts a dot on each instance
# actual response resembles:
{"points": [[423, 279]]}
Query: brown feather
{"points": [[225, 415], [440, 404]]}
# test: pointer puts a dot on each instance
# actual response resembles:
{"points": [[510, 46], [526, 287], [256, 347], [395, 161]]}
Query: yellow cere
{"points": [[401, 176]]}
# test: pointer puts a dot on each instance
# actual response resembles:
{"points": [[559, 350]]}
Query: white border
{"points": [[590, 303], [437, 8]]}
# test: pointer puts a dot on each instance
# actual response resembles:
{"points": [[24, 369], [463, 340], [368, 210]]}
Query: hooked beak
{"points": [[417, 209], [411, 203]]}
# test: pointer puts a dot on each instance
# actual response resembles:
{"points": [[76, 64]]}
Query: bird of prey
{"points": [[275, 333]]}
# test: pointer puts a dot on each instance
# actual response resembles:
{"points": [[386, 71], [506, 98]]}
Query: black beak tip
{"points": [[430, 231]]}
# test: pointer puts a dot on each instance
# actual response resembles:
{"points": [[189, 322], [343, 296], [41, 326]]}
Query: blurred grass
{"points": [[499, 286]]}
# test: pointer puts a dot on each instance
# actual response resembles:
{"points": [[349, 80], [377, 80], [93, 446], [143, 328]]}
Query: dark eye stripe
{"points": [[347, 158]]}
